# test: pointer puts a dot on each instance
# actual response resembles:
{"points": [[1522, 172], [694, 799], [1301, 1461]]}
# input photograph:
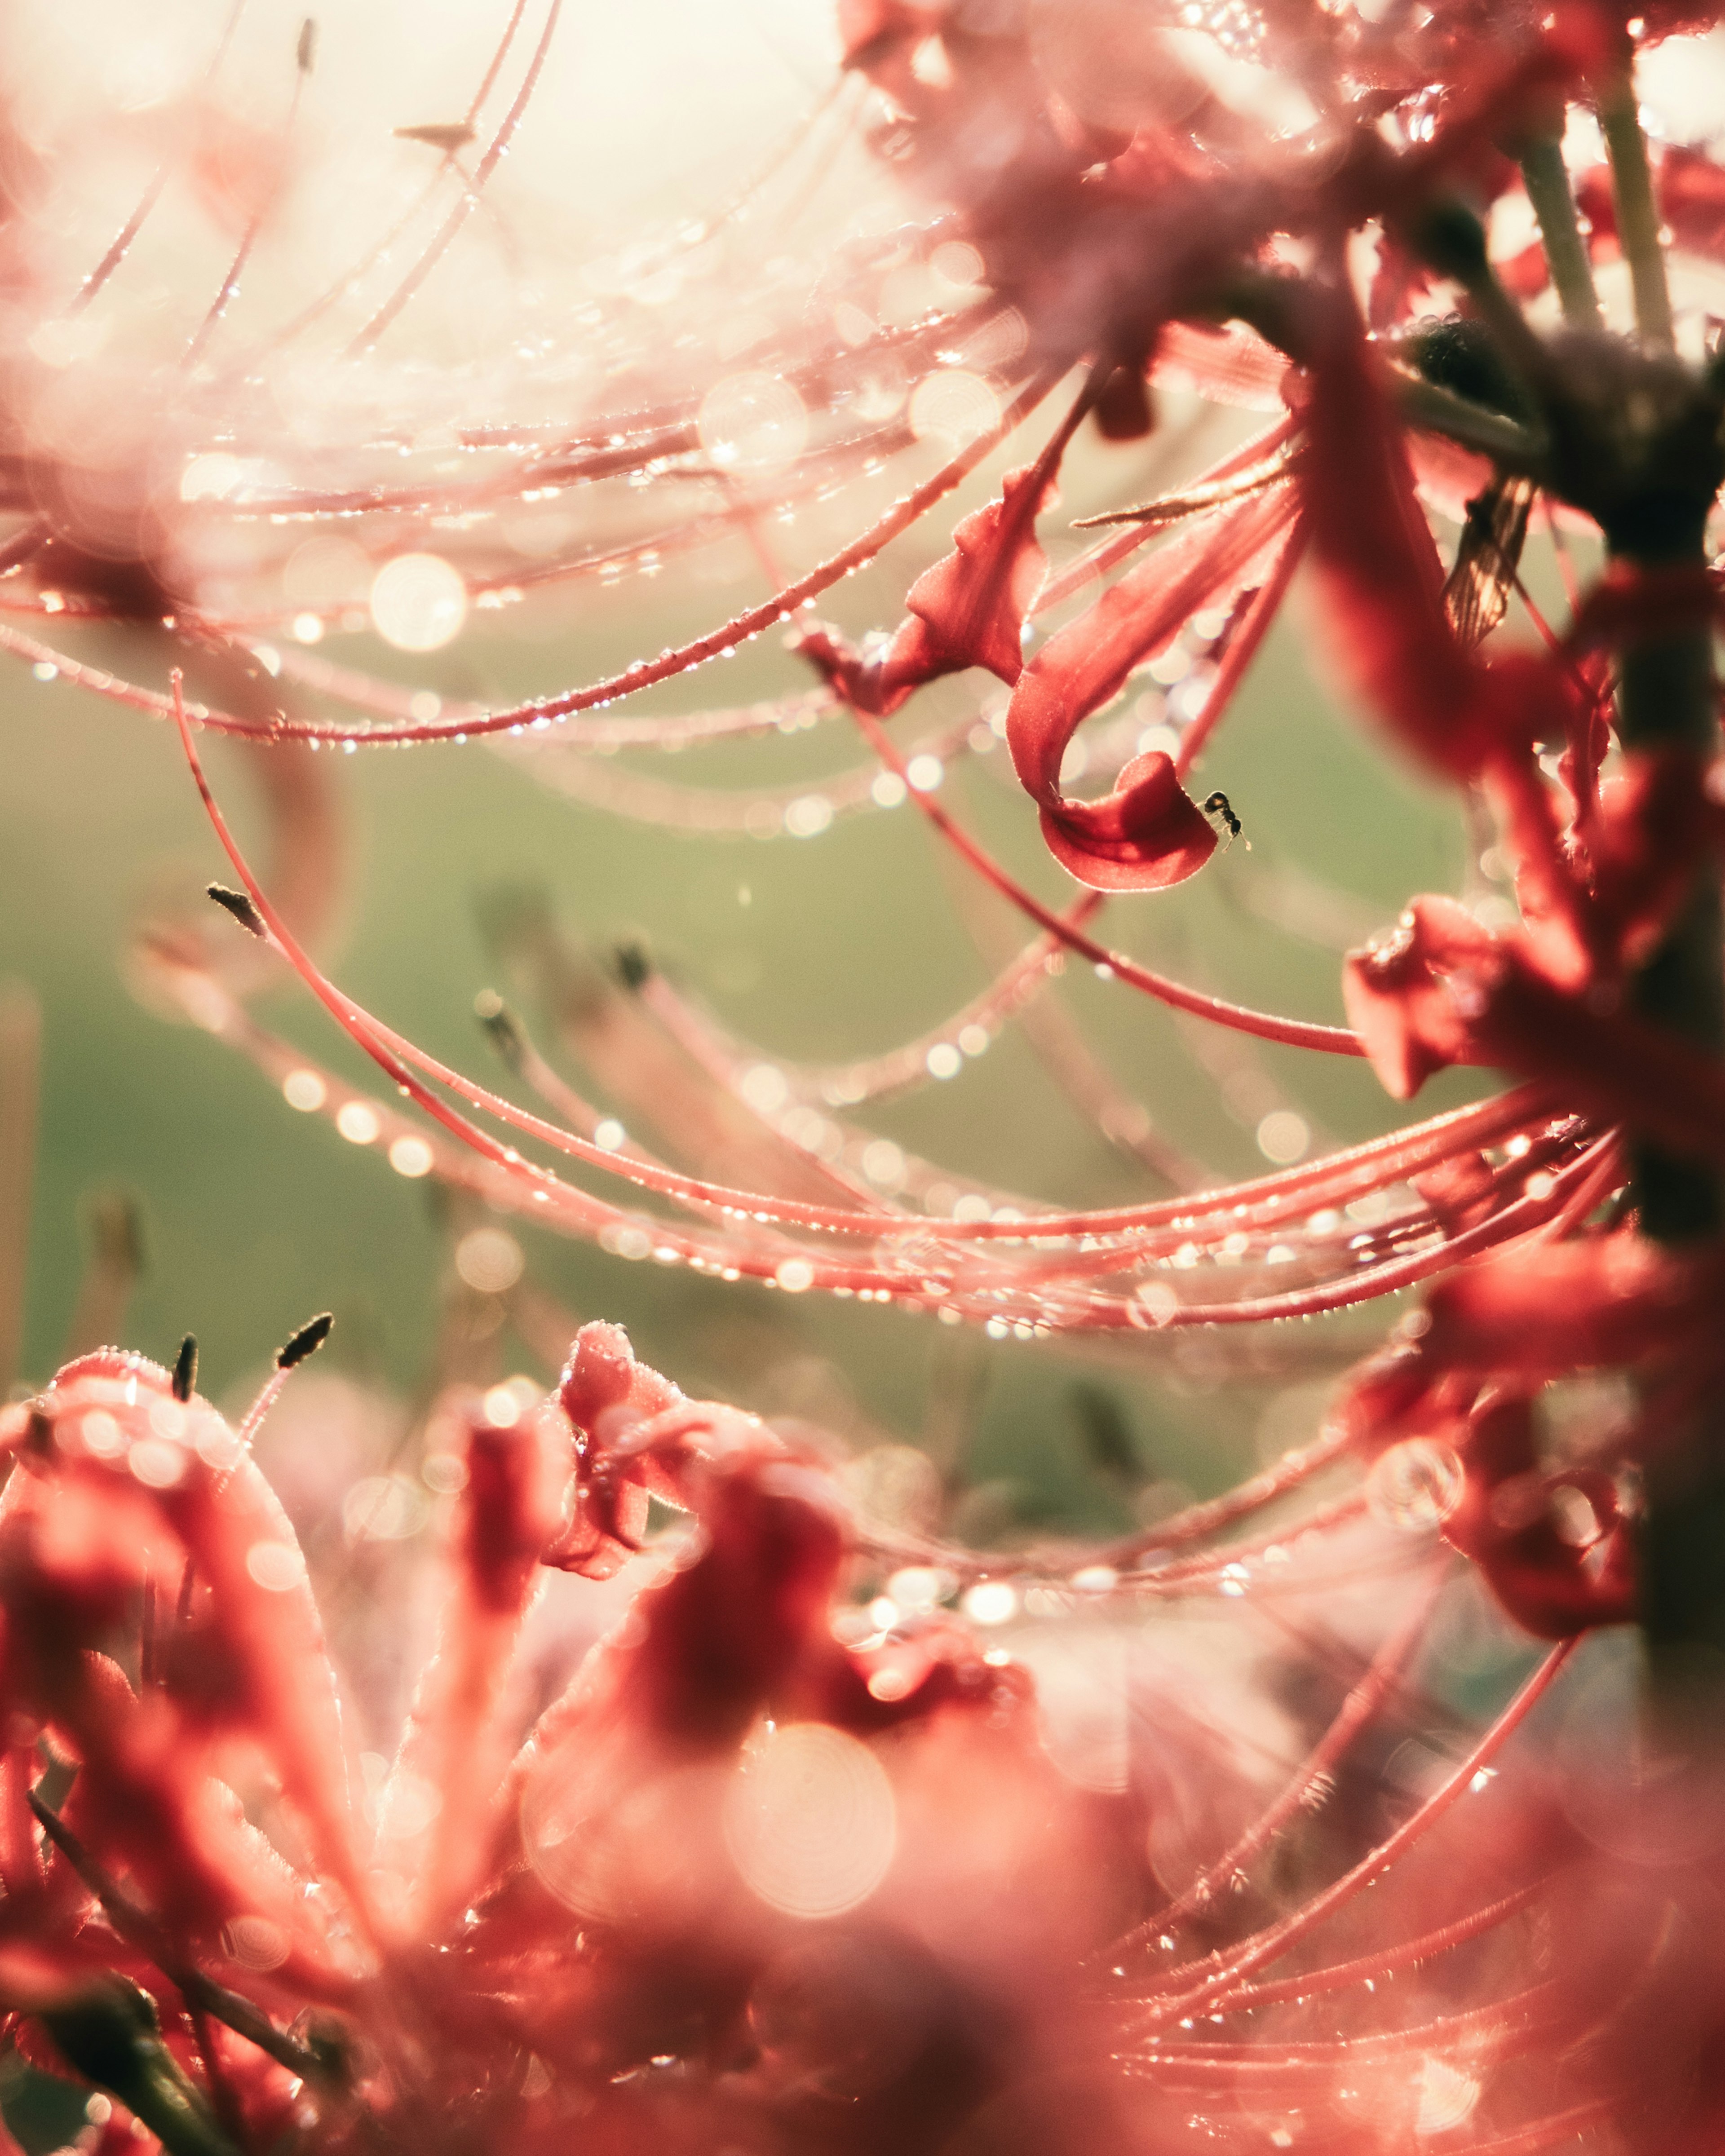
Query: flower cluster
{"points": [[771, 1867], [797, 1861]]}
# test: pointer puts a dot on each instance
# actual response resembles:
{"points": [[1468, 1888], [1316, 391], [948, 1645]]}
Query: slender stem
{"points": [[1512, 447], [1666, 694], [1637, 209], [1546, 177], [1230, 1966], [1667, 697], [139, 1929], [110, 2036]]}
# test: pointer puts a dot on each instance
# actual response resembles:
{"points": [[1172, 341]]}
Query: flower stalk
{"points": [[1546, 177], [1667, 701], [1638, 223]]}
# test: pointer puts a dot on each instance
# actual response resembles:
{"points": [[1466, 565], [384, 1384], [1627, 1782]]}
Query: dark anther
{"points": [[1123, 410], [1105, 1434], [447, 135], [502, 1031], [306, 52], [306, 1342], [186, 1367], [634, 963], [240, 907]]}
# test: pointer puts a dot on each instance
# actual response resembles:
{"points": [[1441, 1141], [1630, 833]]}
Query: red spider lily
{"points": [[794, 1865]]}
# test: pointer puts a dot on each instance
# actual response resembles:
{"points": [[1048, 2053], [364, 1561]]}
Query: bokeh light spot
{"points": [[753, 422], [490, 1260], [419, 603], [411, 1156], [953, 406], [1283, 1137], [810, 1820], [1416, 1484], [358, 1121], [382, 1508], [276, 1566], [304, 1090]]}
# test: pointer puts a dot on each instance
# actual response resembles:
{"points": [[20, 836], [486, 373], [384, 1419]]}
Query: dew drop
{"points": [[1416, 1486]]}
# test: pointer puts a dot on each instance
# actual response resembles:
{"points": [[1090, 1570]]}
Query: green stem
{"points": [[112, 2037], [1666, 701], [1637, 209], [1511, 447], [1546, 177], [1667, 698]]}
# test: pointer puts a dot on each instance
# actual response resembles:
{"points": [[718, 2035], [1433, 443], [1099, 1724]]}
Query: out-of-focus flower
{"points": [[777, 1865]]}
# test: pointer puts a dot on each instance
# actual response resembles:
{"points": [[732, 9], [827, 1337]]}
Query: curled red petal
{"points": [[1398, 995], [251, 1658], [856, 676], [972, 604], [1628, 602], [1081, 667], [1229, 364], [1608, 1062], [1146, 835], [1653, 823], [606, 1393], [1527, 273], [1554, 1589], [967, 610], [1381, 580], [1440, 988], [456, 1740], [1560, 929], [1383, 1396], [1461, 1190], [876, 36], [1377, 566], [602, 1375], [507, 1510]]}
